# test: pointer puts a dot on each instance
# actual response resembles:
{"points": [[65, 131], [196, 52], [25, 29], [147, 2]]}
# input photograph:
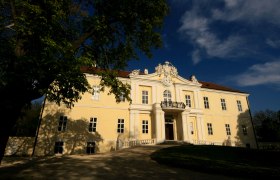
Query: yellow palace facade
{"points": [[164, 107]]}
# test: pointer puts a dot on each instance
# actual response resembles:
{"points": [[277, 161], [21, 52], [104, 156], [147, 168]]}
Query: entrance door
{"points": [[169, 133]]}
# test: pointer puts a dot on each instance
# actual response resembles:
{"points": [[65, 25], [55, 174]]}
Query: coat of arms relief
{"points": [[168, 71]]}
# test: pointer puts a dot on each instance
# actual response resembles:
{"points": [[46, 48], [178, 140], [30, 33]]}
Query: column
{"points": [[159, 123], [133, 124], [186, 135], [197, 99], [200, 128], [162, 126]]}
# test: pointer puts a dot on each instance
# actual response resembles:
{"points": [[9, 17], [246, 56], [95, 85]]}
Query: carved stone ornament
{"points": [[168, 71], [135, 72], [193, 79]]}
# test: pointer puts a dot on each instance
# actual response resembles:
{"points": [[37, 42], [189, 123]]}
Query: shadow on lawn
{"points": [[119, 164]]}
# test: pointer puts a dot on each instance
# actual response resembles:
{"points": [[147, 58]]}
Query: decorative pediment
{"points": [[168, 71]]}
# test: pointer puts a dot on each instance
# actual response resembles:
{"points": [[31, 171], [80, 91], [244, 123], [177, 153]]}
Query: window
{"points": [[206, 102], [62, 123], [120, 126], [90, 147], [239, 106], [96, 92], [167, 95], [188, 101], [244, 130], [144, 97], [228, 129], [191, 127], [122, 98], [58, 147], [210, 129], [223, 104], [92, 124], [145, 126]]}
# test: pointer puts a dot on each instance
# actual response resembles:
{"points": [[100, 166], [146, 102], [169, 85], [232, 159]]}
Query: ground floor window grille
{"points": [[90, 147], [58, 147]]}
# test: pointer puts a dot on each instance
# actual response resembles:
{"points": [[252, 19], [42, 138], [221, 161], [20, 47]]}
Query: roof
{"points": [[94, 70], [210, 85], [125, 74]]}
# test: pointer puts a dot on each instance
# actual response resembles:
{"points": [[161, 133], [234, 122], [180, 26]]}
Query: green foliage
{"points": [[268, 125], [44, 43], [28, 121]]}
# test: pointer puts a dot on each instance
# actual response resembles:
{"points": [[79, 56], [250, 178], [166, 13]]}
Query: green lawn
{"points": [[231, 161]]}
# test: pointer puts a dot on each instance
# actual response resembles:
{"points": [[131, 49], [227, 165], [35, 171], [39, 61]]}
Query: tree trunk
{"points": [[9, 116]]}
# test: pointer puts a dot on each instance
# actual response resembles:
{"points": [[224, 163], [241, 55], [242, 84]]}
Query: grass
{"points": [[230, 161]]}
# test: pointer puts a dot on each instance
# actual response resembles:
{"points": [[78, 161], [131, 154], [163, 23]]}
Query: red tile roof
{"points": [[210, 85], [125, 74], [94, 70]]}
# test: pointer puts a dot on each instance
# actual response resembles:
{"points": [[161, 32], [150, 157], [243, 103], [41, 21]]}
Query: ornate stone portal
{"points": [[169, 72]]}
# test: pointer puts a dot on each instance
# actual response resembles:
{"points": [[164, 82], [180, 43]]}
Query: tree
{"points": [[27, 123], [268, 125], [43, 45]]}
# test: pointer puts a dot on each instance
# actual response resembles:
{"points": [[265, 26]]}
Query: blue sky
{"points": [[235, 43]]}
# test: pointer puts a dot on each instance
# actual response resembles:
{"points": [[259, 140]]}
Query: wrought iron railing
{"points": [[172, 104]]}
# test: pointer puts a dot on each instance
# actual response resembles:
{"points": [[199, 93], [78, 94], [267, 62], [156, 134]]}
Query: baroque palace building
{"points": [[164, 107]]}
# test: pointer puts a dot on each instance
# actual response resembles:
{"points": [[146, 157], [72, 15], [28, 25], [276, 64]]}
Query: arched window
{"points": [[167, 95]]}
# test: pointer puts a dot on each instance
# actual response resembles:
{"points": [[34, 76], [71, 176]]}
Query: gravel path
{"points": [[132, 163]]}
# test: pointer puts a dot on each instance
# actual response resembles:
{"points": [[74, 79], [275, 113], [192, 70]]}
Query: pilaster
{"points": [[186, 133]]}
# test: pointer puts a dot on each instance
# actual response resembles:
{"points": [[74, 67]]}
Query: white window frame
{"points": [[210, 128], [62, 123], [206, 103], [122, 98], [167, 96], [223, 104], [188, 101], [227, 126], [239, 105], [145, 126], [145, 97], [96, 93], [120, 128], [92, 124]]}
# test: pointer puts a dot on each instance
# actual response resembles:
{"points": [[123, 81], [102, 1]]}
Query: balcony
{"points": [[172, 106]]}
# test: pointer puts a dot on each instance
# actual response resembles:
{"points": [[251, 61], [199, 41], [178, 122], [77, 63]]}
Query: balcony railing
{"points": [[172, 105]]}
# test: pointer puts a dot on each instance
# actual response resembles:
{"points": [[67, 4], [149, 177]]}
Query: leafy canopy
{"points": [[43, 44]]}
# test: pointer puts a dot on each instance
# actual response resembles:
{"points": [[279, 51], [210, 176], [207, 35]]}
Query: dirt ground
{"points": [[131, 163]]}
